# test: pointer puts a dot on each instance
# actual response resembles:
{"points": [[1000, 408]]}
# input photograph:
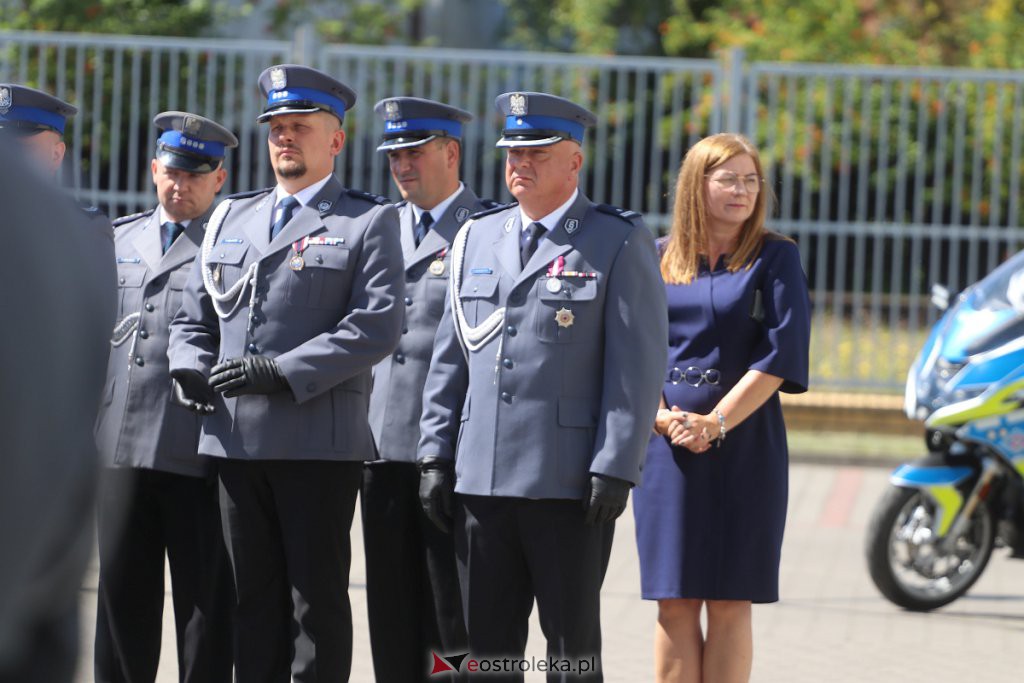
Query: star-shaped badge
{"points": [[564, 317]]}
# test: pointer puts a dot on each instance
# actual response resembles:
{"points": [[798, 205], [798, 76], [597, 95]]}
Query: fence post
{"points": [[305, 44], [734, 102]]}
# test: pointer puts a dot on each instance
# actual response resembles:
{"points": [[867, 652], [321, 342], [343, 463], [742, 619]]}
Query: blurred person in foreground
{"points": [[36, 121], [710, 510], [53, 355]]}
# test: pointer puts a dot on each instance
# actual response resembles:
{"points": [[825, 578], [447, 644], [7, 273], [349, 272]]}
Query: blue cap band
{"points": [[452, 128], [35, 115], [277, 98], [529, 122], [177, 140]]}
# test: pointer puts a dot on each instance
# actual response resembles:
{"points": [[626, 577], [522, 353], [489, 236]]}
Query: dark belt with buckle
{"points": [[694, 376]]}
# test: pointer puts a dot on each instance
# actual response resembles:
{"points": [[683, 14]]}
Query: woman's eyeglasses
{"points": [[731, 181]]}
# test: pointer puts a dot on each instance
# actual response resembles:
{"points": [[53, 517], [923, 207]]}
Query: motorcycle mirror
{"points": [[940, 296]]}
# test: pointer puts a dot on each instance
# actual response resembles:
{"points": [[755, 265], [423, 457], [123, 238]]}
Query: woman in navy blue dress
{"points": [[711, 508]]}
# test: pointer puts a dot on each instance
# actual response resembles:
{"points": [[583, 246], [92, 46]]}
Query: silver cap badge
{"points": [[517, 104], [191, 126], [278, 79]]}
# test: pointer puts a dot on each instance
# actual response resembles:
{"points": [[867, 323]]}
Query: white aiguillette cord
{"points": [[234, 294], [470, 338]]}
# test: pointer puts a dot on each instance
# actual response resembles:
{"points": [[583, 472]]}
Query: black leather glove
{"points": [[605, 499], [190, 390], [249, 375], [437, 490]]}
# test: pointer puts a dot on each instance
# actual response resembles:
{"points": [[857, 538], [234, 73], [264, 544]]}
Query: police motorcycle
{"points": [[935, 528]]}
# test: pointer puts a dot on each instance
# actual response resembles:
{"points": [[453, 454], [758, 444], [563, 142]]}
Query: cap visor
{"points": [[187, 163], [267, 115], [517, 141], [402, 143], [22, 129]]}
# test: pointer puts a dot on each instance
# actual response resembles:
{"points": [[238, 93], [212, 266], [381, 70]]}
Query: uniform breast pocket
{"points": [[320, 282], [563, 313], [226, 261], [176, 282], [435, 288], [129, 288], [479, 296]]}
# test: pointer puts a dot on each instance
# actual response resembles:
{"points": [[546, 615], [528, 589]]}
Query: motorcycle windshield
{"points": [[955, 362], [987, 314]]}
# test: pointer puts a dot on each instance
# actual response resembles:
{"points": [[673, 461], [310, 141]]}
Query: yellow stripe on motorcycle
{"points": [[948, 502]]}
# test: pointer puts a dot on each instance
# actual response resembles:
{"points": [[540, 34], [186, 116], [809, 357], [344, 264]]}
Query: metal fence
{"points": [[889, 178]]}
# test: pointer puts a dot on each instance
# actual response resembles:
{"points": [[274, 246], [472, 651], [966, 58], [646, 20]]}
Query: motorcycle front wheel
{"points": [[907, 561]]}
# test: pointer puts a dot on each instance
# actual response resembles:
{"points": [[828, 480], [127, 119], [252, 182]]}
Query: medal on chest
{"points": [[555, 270], [437, 265], [297, 262]]}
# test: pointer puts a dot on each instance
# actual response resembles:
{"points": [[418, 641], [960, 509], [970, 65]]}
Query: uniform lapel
{"points": [[309, 218], [557, 242], [149, 243], [187, 245], [507, 245], [442, 232], [257, 228]]}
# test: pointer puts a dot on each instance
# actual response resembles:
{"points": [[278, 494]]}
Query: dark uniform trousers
{"points": [[539, 548], [410, 570], [287, 524], [143, 514]]}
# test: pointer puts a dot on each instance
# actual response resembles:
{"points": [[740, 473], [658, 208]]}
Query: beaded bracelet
{"points": [[721, 427]]}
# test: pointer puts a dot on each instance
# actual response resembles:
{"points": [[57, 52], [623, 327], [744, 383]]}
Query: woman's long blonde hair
{"points": [[688, 237]]}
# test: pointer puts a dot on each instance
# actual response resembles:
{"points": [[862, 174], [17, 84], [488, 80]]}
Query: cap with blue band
{"points": [[296, 89], [28, 111], [534, 119], [173, 138], [413, 121], [191, 142]]}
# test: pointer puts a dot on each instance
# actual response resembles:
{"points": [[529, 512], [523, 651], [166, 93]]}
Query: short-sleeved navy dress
{"points": [[709, 526]]}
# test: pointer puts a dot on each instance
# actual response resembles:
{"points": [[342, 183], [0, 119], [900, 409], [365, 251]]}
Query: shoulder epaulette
{"points": [[625, 214], [491, 204], [90, 209], [494, 208], [132, 217], [368, 196], [249, 193]]}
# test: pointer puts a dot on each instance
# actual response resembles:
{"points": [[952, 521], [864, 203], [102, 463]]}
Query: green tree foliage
{"points": [[159, 17], [366, 22], [973, 33]]}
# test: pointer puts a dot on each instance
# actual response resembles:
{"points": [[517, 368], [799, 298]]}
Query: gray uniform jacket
{"points": [[576, 386], [397, 398], [138, 426], [57, 314], [326, 324]]}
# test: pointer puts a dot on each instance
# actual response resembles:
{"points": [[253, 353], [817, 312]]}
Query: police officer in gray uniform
{"points": [[412, 588], [297, 293], [544, 380], [157, 494]]}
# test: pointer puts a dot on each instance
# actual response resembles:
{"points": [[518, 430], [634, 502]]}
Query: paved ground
{"points": [[831, 625]]}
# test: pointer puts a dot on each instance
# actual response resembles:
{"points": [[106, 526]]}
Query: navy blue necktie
{"points": [[286, 208], [426, 220], [528, 242], [169, 232]]}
